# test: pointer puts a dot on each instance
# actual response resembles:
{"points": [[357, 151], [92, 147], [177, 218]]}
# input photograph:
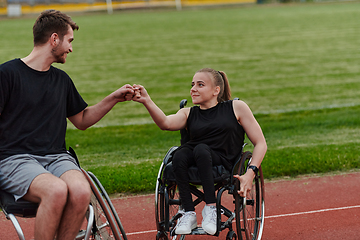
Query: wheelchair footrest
{"points": [[195, 231], [198, 231]]}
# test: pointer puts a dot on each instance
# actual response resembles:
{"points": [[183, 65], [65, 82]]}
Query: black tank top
{"points": [[219, 129]]}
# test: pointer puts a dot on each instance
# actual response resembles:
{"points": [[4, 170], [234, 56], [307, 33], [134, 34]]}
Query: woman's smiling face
{"points": [[203, 89]]}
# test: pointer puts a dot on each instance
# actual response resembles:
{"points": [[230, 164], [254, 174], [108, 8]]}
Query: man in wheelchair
{"points": [[35, 101], [214, 126]]}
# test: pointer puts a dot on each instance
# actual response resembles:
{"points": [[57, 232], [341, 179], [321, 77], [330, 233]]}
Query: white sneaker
{"points": [[209, 219], [186, 223]]}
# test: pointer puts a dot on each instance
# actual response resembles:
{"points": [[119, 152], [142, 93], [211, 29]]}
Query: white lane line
{"points": [[315, 211], [142, 232], [274, 216]]}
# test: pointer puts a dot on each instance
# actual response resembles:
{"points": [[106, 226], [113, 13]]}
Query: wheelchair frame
{"points": [[102, 220], [248, 214]]}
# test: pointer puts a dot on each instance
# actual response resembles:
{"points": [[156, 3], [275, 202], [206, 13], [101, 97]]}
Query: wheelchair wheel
{"points": [[159, 204], [231, 235], [112, 208], [107, 224], [172, 209], [167, 202], [249, 212]]}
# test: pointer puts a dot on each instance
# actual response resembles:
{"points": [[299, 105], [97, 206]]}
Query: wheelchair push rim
{"points": [[105, 226], [249, 211]]}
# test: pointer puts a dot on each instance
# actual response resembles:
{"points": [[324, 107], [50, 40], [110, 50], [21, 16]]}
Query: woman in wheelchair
{"points": [[214, 125]]}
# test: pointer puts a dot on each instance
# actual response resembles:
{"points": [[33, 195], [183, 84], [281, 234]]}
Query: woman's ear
{"points": [[217, 91]]}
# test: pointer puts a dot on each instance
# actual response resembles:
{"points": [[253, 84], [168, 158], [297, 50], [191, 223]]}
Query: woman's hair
{"points": [[220, 79], [49, 22]]}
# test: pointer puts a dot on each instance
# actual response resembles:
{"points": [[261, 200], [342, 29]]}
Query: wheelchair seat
{"points": [[13, 209], [219, 172], [21, 208]]}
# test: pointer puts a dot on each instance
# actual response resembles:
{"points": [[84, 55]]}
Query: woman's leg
{"points": [[205, 159], [182, 160]]}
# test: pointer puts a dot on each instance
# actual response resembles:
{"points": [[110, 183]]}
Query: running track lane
{"points": [[315, 207]]}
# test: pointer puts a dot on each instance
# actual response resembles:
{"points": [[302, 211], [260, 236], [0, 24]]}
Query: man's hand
{"points": [[125, 93]]}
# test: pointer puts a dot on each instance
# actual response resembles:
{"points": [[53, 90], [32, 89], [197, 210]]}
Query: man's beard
{"points": [[59, 55]]}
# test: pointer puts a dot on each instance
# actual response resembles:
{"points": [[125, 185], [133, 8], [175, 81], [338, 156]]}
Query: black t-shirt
{"points": [[219, 129], [34, 106]]}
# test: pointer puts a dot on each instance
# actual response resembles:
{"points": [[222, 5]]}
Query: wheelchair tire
{"points": [[249, 213], [112, 208], [169, 211], [159, 204], [231, 235], [167, 202], [105, 226], [161, 236]]}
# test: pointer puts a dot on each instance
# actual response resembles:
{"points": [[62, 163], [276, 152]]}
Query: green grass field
{"points": [[297, 66]]}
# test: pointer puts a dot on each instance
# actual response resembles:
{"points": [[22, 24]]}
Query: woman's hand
{"points": [[140, 94], [246, 182]]}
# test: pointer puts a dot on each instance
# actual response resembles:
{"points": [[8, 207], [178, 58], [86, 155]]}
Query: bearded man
{"points": [[35, 101]]}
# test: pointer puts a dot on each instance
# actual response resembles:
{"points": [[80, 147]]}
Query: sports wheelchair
{"points": [[248, 213], [101, 220]]}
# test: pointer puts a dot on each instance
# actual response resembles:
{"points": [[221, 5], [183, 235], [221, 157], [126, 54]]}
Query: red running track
{"points": [[314, 207]]}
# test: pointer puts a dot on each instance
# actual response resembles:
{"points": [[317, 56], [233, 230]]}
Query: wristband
{"points": [[254, 168]]}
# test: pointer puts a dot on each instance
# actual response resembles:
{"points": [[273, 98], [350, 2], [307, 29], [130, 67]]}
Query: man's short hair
{"points": [[49, 22]]}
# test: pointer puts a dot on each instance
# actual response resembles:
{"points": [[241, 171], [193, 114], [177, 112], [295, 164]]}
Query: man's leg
{"points": [[51, 192], [78, 200]]}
